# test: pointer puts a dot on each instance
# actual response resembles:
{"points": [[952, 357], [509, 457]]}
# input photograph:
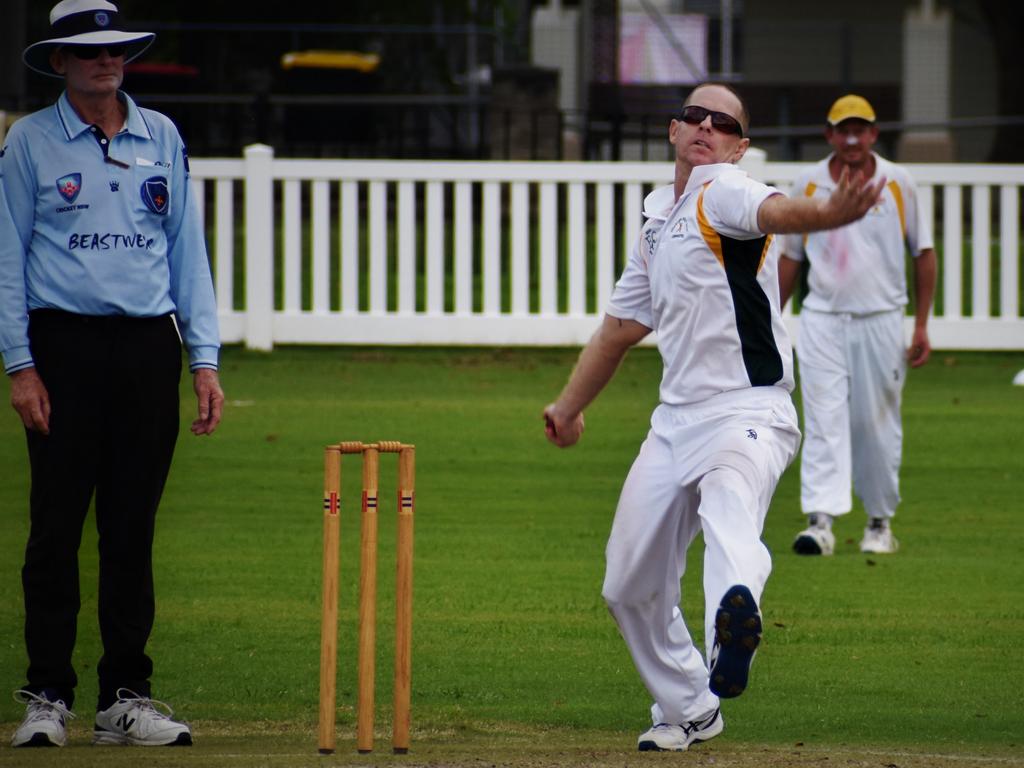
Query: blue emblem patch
{"points": [[154, 194], [69, 186], [101, 19]]}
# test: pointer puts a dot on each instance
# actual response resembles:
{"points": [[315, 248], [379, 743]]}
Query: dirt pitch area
{"points": [[265, 745]]}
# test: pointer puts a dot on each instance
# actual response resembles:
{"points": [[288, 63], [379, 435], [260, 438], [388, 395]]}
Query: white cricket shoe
{"points": [[878, 539], [44, 723], [815, 540], [134, 719], [665, 737]]}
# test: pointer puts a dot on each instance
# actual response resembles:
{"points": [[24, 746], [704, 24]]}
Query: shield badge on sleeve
{"points": [[155, 195], [69, 186]]}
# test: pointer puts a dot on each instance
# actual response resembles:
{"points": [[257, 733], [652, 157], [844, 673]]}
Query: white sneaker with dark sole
{"points": [[666, 737], [135, 720], [879, 541], [815, 540], [44, 723]]}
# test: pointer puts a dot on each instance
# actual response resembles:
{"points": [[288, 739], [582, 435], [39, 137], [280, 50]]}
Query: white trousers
{"points": [[712, 467], [852, 370]]}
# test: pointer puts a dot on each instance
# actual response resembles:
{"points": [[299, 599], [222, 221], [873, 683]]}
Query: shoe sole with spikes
{"points": [[737, 636]]}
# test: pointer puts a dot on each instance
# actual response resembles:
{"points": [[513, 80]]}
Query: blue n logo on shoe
{"points": [[155, 195], [69, 186], [124, 722]]}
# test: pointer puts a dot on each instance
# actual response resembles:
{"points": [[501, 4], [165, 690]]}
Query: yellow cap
{"points": [[850, 106]]}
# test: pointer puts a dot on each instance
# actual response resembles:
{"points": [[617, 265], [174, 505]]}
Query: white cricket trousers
{"points": [[709, 467], [852, 370]]}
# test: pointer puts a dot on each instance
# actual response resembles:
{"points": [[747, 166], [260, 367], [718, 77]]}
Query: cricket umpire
{"points": [[102, 265]]}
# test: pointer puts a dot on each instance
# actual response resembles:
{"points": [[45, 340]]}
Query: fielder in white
{"points": [[853, 360], [703, 274]]}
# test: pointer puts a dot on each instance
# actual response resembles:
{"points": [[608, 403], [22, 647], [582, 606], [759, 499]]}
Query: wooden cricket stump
{"points": [[370, 453]]}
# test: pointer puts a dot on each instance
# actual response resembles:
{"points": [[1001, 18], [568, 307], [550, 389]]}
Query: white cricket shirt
{"points": [[706, 279]]}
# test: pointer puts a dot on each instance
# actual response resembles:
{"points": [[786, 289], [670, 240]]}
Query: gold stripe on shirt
{"points": [[711, 237], [898, 197], [809, 192], [764, 251]]}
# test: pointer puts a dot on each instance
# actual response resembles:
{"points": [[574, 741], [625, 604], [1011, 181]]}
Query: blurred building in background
{"points": [[548, 80]]}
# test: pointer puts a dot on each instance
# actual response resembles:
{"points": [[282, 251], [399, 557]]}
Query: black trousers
{"points": [[113, 387]]}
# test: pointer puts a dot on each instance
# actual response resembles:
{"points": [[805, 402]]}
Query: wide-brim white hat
{"points": [[85, 22]]}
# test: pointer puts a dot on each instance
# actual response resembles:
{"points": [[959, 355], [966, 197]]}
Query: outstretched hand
{"points": [[853, 197]]}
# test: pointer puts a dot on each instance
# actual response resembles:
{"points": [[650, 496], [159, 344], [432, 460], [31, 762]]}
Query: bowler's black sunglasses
{"points": [[90, 52], [695, 115]]}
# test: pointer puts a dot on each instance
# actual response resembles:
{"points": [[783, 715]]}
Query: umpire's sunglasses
{"points": [[720, 121], [90, 52]]}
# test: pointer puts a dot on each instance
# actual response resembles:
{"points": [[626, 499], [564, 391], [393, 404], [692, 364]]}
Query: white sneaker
{"points": [[878, 539], [134, 719], [665, 737], [44, 723], [815, 540]]}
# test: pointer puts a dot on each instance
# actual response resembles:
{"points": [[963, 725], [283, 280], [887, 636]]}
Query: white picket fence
{"points": [[518, 253]]}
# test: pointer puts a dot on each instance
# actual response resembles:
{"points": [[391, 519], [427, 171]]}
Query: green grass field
{"points": [[906, 660]]}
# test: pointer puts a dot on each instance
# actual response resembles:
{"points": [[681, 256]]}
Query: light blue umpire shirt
{"points": [[100, 228]]}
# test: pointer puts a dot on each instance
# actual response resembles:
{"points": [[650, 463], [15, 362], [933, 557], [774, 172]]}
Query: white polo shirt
{"points": [[859, 268], [706, 279]]}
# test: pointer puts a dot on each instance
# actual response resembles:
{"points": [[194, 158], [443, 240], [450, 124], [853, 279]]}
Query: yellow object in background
{"points": [[363, 62]]}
